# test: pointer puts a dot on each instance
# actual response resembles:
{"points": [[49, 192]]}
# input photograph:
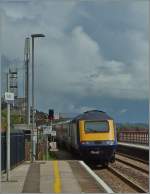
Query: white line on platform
{"points": [[97, 178]]}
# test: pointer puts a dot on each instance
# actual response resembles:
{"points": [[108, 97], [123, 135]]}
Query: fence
{"points": [[17, 149], [20, 148], [137, 137], [39, 147]]}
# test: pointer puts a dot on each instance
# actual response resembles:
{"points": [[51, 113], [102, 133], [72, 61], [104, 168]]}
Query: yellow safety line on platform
{"points": [[57, 179]]}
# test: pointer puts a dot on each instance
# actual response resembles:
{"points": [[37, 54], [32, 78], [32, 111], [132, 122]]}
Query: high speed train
{"points": [[91, 134]]}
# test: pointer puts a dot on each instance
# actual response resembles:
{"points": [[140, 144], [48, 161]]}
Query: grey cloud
{"points": [[91, 50], [115, 22]]}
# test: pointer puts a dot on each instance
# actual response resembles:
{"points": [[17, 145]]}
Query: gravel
{"points": [[133, 174], [134, 162], [114, 182]]}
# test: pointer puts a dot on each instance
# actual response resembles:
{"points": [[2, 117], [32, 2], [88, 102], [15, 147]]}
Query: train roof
{"points": [[93, 115], [61, 122]]}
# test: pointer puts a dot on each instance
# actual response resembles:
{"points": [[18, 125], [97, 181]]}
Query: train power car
{"points": [[92, 134]]}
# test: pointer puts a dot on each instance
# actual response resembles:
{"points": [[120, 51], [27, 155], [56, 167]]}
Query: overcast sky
{"points": [[94, 55]]}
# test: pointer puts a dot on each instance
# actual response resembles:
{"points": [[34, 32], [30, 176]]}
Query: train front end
{"points": [[98, 140]]}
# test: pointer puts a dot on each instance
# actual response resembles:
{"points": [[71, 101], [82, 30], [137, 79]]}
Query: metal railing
{"points": [[20, 149], [17, 149], [136, 137]]}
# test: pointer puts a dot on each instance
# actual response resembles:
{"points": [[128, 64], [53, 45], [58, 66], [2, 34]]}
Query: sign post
{"points": [[9, 98], [47, 131], [8, 140], [47, 147]]}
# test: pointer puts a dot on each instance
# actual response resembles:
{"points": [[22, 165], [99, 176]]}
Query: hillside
{"points": [[133, 126]]}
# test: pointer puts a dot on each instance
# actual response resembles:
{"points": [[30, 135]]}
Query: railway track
{"points": [[111, 179], [119, 182], [128, 181], [133, 163], [131, 174], [133, 157], [135, 171]]}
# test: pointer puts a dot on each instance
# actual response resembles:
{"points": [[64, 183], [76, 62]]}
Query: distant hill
{"points": [[134, 126]]}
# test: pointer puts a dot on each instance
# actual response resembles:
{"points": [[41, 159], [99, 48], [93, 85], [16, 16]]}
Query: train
{"points": [[91, 134]]}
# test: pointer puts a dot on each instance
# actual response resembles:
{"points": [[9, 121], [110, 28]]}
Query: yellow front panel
{"points": [[96, 136]]}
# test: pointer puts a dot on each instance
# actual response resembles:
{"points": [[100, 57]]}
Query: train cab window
{"points": [[96, 126]]}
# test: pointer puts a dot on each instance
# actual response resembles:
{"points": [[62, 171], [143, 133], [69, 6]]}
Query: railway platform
{"points": [[66, 173], [138, 146], [134, 150], [63, 176]]}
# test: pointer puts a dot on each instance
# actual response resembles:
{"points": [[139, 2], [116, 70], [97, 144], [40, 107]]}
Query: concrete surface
{"points": [[68, 181], [46, 177], [41, 176], [17, 179], [32, 181]]}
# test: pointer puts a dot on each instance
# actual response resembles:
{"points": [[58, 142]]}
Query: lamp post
{"points": [[27, 61], [33, 105]]}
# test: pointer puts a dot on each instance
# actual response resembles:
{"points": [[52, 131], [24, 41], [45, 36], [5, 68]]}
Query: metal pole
{"points": [[37, 147], [27, 59], [52, 130], [8, 131], [47, 147], [33, 154], [28, 104], [0, 111], [0, 126], [33, 103]]}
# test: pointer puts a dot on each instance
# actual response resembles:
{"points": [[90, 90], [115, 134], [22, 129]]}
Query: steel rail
{"points": [[124, 178], [132, 165], [132, 157]]}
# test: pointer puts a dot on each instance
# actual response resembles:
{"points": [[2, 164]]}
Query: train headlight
{"points": [[109, 142], [86, 142]]}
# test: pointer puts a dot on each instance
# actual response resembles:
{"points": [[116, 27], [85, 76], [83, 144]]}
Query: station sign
{"points": [[9, 97], [53, 146], [35, 138], [53, 133], [47, 130]]}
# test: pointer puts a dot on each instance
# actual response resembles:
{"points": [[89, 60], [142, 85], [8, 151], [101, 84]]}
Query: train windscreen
{"points": [[96, 126]]}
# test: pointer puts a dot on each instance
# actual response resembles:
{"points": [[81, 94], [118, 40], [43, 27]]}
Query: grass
{"points": [[49, 156]]}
